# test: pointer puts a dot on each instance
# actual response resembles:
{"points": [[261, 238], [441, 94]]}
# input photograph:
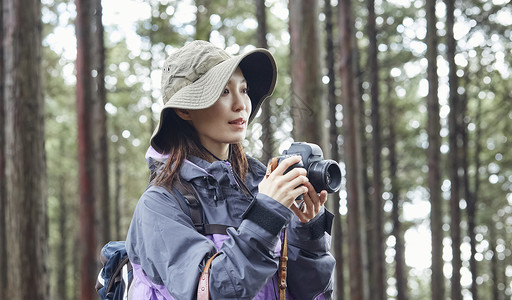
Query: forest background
{"points": [[412, 97]]}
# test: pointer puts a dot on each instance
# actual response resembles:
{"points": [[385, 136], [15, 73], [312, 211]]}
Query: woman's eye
{"points": [[225, 91], [245, 90]]}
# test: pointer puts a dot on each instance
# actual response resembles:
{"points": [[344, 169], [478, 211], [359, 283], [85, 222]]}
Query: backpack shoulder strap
{"points": [[190, 204]]}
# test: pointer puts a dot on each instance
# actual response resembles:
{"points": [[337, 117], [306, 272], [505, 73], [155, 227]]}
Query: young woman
{"points": [[210, 97]]}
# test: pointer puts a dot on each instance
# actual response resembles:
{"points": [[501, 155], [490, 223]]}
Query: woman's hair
{"points": [[184, 142]]}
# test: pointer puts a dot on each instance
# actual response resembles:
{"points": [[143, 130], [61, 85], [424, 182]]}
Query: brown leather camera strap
{"points": [[282, 267], [203, 289], [283, 260]]}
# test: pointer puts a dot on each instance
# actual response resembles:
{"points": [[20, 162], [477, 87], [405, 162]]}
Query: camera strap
{"points": [[272, 165]]}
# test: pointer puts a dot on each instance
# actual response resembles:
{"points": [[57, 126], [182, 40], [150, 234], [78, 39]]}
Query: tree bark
{"points": [[203, 26], [456, 289], [365, 180], [378, 263], [472, 201], [494, 262], [353, 160], [434, 156], [25, 159], [84, 96], [334, 201], [400, 267], [306, 101], [267, 131], [117, 196], [3, 192], [61, 267], [100, 132]]}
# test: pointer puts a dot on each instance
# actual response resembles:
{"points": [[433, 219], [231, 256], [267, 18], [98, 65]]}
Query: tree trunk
{"points": [[84, 96], [400, 267], [378, 264], [267, 131], [334, 202], [434, 156], [494, 262], [117, 195], [151, 62], [472, 201], [62, 264], [25, 164], [468, 196], [365, 180], [306, 101], [3, 196], [456, 290], [353, 160], [100, 132], [203, 26]]}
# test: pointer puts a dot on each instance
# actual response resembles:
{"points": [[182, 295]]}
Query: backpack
{"points": [[115, 276]]}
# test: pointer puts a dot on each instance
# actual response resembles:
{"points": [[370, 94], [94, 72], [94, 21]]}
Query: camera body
{"points": [[323, 174]]}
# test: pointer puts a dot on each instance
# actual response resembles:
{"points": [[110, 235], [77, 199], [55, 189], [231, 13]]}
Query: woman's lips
{"points": [[238, 121], [238, 124]]}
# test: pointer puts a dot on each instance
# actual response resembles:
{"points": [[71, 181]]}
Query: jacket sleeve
{"points": [[163, 240], [310, 264]]}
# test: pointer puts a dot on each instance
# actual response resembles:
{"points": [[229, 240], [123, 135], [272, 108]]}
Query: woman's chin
{"points": [[235, 139]]}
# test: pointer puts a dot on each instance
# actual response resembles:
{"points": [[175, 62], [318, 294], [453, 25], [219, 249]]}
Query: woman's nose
{"points": [[239, 102]]}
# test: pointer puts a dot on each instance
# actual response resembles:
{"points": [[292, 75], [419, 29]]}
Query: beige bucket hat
{"points": [[194, 76]]}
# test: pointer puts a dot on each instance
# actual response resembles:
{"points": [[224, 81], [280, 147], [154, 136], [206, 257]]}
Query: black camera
{"points": [[324, 174]]}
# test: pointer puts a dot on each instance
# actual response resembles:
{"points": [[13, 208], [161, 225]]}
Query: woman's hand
{"points": [[285, 188], [311, 205]]}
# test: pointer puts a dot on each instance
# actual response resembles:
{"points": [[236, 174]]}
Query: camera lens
{"points": [[325, 175]]}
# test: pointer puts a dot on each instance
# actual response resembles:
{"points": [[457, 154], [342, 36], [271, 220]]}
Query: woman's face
{"points": [[225, 122]]}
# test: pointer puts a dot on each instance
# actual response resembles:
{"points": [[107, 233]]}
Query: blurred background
{"points": [[412, 98]]}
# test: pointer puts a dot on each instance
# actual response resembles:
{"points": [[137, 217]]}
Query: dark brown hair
{"points": [[179, 140]]}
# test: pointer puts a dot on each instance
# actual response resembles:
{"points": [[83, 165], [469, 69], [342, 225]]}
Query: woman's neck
{"points": [[217, 153]]}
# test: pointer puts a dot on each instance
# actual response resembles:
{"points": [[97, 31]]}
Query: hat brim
{"points": [[259, 69]]}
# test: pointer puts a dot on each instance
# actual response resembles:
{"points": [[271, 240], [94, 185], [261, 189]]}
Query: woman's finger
{"points": [[323, 197], [285, 164], [300, 214], [309, 203]]}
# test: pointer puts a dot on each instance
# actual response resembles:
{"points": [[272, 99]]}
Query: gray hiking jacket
{"points": [[163, 242]]}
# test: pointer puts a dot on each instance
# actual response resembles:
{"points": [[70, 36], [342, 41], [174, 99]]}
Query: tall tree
{"points": [[468, 195], [377, 263], [203, 26], [100, 128], [400, 267], [456, 289], [472, 201], [334, 202], [267, 135], [307, 105], [84, 94], [3, 197], [434, 155], [352, 148], [359, 91], [25, 162], [61, 268], [494, 262], [117, 196]]}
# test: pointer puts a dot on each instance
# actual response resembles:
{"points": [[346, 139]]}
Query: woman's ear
{"points": [[183, 113]]}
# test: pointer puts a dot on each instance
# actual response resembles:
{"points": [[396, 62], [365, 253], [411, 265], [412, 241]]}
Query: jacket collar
{"points": [[194, 167]]}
